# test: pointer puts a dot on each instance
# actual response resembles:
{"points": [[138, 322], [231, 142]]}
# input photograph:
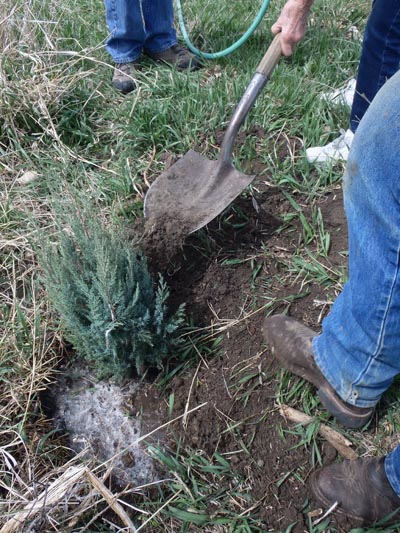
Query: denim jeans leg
{"points": [[138, 24], [380, 56], [392, 469], [126, 24], [359, 348], [160, 30]]}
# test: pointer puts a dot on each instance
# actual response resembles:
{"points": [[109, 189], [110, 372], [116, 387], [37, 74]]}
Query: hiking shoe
{"points": [[290, 343], [337, 150], [123, 77], [177, 57], [344, 95], [360, 488]]}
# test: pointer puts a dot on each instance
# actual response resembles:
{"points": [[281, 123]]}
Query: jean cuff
{"points": [[122, 60], [350, 398]]}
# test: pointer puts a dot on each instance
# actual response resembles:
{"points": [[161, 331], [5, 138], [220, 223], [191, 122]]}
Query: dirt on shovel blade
{"points": [[162, 241]]}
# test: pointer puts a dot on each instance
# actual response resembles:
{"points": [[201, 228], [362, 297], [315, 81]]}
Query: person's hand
{"points": [[292, 24]]}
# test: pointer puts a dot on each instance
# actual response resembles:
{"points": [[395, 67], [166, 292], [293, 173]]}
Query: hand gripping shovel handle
{"points": [[257, 83]]}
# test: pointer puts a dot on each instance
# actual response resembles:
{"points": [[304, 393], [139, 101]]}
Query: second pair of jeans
{"points": [[137, 25], [380, 56]]}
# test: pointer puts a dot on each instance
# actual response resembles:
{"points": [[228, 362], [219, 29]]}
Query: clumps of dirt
{"points": [[172, 250], [161, 241], [196, 275], [241, 420], [242, 423]]}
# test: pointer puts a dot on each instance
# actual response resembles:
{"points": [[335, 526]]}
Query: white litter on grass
{"points": [[344, 95], [337, 150], [28, 177], [354, 34], [328, 512], [97, 417]]}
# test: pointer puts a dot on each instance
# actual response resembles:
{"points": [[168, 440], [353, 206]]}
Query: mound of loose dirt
{"points": [[216, 272]]}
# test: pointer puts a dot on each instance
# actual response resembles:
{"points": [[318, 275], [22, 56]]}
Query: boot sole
{"points": [[332, 402], [341, 411]]}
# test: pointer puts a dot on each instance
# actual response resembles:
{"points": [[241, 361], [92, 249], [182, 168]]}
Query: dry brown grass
{"points": [[38, 484]]}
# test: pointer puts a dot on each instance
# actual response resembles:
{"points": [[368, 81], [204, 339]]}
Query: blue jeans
{"points": [[137, 25], [380, 56], [358, 350]]}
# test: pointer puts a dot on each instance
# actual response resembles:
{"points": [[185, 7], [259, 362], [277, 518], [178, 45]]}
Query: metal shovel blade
{"points": [[193, 191]]}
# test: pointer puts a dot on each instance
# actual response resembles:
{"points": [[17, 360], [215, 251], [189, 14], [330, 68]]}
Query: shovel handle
{"points": [[271, 57], [260, 78]]}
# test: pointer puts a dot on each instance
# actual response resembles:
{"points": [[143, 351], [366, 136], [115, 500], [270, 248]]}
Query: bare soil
{"points": [[220, 273]]}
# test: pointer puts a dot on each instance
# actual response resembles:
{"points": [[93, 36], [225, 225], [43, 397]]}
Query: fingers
{"points": [[287, 42], [291, 24]]}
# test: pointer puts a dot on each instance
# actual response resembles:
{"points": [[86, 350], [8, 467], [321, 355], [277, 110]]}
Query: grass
{"points": [[61, 119], [196, 488]]}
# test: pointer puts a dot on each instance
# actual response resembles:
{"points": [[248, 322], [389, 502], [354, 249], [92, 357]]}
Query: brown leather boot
{"points": [[178, 57], [360, 488], [123, 77], [290, 342]]}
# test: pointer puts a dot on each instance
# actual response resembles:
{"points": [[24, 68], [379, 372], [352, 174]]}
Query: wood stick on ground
{"points": [[56, 491], [111, 500], [52, 495], [335, 439]]}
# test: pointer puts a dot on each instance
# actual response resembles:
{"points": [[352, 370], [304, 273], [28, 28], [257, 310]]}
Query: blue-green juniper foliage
{"points": [[111, 310]]}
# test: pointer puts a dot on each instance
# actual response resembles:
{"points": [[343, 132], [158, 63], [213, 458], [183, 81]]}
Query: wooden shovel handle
{"points": [[271, 57]]}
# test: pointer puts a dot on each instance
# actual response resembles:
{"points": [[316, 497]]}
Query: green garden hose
{"points": [[230, 49]]}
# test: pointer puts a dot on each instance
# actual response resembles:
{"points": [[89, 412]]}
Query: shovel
{"points": [[194, 190]]}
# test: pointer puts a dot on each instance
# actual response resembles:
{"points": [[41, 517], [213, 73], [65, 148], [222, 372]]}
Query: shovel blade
{"points": [[194, 191]]}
